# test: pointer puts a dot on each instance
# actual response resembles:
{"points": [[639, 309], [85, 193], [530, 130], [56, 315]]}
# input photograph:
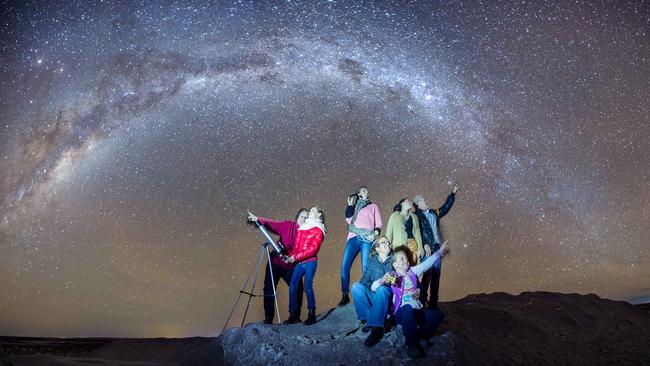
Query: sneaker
{"points": [[268, 320], [345, 299], [414, 351], [375, 336]]}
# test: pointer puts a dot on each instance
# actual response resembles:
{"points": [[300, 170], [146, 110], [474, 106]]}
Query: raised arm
{"points": [[275, 226], [428, 263], [442, 211]]}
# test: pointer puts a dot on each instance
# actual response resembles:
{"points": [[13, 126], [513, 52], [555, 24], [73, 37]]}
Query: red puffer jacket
{"points": [[307, 245]]}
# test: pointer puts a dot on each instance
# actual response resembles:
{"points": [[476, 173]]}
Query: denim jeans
{"points": [[430, 283], [352, 249], [286, 275], [371, 306], [409, 319], [307, 269]]}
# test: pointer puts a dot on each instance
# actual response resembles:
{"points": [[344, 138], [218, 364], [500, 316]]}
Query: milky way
{"points": [[134, 138]]}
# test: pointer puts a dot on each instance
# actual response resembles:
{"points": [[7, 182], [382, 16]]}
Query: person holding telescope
{"points": [[287, 231]]}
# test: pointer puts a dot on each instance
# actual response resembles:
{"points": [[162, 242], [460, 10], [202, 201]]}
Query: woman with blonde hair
{"points": [[308, 242]]}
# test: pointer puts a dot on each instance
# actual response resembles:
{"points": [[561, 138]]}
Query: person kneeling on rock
{"points": [[417, 323], [372, 305]]}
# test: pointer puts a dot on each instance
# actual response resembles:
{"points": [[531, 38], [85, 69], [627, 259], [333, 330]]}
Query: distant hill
{"points": [[539, 328]]}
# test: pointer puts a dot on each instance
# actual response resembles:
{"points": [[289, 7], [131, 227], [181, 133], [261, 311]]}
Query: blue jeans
{"points": [[371, 306], [308, 270], [352, 249], [410, 318]]}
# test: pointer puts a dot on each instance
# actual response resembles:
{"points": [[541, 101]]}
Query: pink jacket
{"points": [[367, 218]]}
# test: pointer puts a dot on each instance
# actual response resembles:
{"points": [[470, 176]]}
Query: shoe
{"points": [[345, 299], [414, 351], [311, 318], [293, 318], [389, 325], [268, 320], [424, 343], [375, 336]]}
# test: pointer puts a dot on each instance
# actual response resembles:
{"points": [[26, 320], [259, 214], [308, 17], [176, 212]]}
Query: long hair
{"points": [[322, 214], [398, 206]]}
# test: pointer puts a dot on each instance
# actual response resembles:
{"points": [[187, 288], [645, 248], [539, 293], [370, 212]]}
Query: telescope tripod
{"points": [[251, 293]]}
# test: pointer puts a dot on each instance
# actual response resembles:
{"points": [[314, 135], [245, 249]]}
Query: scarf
{"points": [[361, 203], [361, 233], [312, 223]]}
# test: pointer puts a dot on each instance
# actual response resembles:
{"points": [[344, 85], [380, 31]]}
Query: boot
{"points": [[293, 318], [375, 336], [414, 351], [311, 318], [345, 299]]}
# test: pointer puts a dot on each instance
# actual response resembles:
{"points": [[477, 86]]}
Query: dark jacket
{"points": [[425, 228], [375, 269]]}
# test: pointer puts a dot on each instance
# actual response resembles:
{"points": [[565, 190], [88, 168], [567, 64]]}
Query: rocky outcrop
{"points": [[336, 339], [533, 328]]}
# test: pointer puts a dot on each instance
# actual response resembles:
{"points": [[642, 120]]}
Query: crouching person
{"points": [[372, 294], [417, 323]]}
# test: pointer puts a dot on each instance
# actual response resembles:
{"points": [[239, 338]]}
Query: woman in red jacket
{"points": [[308, 241]]}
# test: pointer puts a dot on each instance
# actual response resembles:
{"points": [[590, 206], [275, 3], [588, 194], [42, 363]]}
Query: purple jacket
{"points": [[398, 288]]}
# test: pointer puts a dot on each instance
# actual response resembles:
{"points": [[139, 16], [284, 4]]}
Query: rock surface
{"points": [[539, 328], [336, 339]]}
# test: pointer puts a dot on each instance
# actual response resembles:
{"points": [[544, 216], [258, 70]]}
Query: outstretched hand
{"points": [[251, 217], [454, 189]]}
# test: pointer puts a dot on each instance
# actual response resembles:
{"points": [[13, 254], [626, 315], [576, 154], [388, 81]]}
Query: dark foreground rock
{"points": [[538, 328], [336, 339]]}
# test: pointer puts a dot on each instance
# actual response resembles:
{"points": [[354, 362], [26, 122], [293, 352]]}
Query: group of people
{"points": [[401, 268]]}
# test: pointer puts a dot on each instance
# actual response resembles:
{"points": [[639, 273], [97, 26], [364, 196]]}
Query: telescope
{"points": [[277, 246]]}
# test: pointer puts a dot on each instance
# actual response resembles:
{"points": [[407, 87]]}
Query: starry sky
{"points": [[135, 136]]}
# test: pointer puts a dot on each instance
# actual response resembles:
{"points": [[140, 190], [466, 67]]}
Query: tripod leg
{"points": [[259, 266], [275, 294], [241, 291]]}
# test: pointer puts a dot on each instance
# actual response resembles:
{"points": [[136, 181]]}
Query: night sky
{"points": [[134, 138]]}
